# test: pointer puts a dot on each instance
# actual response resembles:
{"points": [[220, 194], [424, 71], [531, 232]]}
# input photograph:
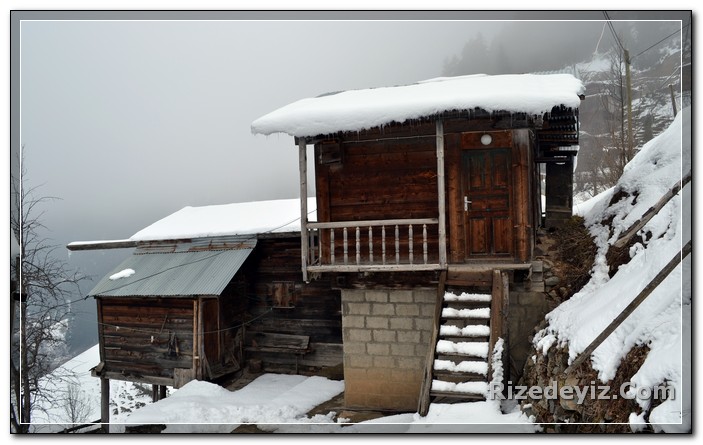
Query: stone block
{"points": [[401, 323], [352, 347], [384, 361], [384, 335], [409, 336], [425, 295], [353, 296], [382, 309], [378, 348], [357, 308], [403, 349], [376, 296], [407, 310], [357, 361], [400, 296], [413, 363], [353, 321], [424, 323], [427, 310], [377, 322], [361, 335]]}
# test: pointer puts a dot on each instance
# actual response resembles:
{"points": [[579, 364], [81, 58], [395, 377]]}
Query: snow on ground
{"points": [[662, 321], [363, 109], [275, 402]]}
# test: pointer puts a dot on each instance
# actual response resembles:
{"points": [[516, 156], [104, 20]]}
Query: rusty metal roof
{"points": [[182, 269]]}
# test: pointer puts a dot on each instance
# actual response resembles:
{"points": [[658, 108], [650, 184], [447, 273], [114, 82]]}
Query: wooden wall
{"points": [[279, 302], [313, 309], [391, 173], [134, 336]]}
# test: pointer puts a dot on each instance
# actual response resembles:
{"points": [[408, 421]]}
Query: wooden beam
{"points": [[375, 268], [629, 233], [374, 223], [100, 245], [441, 196], [426, 387], [303, 167]]}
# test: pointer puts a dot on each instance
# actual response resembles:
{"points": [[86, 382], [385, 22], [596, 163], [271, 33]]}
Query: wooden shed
{"points": [[207, 289], [422, 187]]}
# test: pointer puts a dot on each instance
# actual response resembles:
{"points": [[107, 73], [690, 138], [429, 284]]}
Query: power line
{"points": [[672, 34], [612, 30]]}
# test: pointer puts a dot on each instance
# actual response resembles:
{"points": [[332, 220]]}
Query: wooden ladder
{"points": [[468, 322]]}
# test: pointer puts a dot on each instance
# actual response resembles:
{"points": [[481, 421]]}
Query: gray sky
{"points": [[129, 121]]}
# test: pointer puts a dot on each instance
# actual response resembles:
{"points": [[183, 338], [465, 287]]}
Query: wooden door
{"points": [[486, 202], [211, 329]]}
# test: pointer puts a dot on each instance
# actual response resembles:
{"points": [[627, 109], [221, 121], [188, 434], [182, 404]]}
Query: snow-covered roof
{"points": [[244, 218], [357, 110]]}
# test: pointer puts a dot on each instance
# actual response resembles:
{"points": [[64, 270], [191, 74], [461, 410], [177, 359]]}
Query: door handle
{"points": [[466, 203]]}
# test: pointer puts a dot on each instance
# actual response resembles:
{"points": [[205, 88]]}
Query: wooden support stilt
{"points": [[105, 404]]}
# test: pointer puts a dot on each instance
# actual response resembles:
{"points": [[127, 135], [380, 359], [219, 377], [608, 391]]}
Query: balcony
{"points": [[373, 246]]}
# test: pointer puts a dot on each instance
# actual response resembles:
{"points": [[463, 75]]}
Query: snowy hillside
{"points": [[662, 322]]}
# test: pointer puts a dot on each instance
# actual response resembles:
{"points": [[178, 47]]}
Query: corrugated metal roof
{"points": [[175, 273]]}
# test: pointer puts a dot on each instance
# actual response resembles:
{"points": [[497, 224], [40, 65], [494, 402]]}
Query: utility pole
{"points": [[673, 98], [629, 105]]}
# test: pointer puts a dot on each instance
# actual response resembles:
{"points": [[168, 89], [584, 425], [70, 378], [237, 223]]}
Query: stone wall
{"points": [[386, 336], [526, 311]]}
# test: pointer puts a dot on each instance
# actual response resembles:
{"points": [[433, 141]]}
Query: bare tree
{"points": [[46, 287], [77, 406]]}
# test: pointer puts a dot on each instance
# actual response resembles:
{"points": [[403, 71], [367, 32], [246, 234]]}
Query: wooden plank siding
{"points": [[314, 308], [391, 173], [128, 326]]}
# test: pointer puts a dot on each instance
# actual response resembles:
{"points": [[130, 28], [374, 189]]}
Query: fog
{"points": [[127, 121]]}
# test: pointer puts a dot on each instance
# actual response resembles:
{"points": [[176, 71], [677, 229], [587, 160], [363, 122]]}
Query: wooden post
{"points": [[162, 392], [630, 308], [496, 319], [195, 373], [426, 386], [673, 98], [201, 341], [303, 167], [439, 131], [105, 404]]}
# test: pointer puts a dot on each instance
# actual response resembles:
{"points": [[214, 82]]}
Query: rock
{"points": [[551, 281]]}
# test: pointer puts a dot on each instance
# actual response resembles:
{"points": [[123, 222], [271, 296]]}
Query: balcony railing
{"points": [[384, 245]]}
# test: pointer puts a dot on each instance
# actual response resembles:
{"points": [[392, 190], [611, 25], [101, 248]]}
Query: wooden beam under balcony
{"points": [[374, 268]]}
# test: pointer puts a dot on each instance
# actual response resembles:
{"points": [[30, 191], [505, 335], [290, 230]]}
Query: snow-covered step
{"points": [[471, 349], [451, 313], [464, 367], [465, 296], [463, 388], [466, 331]]}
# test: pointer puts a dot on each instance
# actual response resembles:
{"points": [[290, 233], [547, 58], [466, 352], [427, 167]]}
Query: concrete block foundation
{"points": [[385, 335]]}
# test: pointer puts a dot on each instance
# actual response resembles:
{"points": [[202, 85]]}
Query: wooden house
{"points": [[421, 189], [205, 290]]}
